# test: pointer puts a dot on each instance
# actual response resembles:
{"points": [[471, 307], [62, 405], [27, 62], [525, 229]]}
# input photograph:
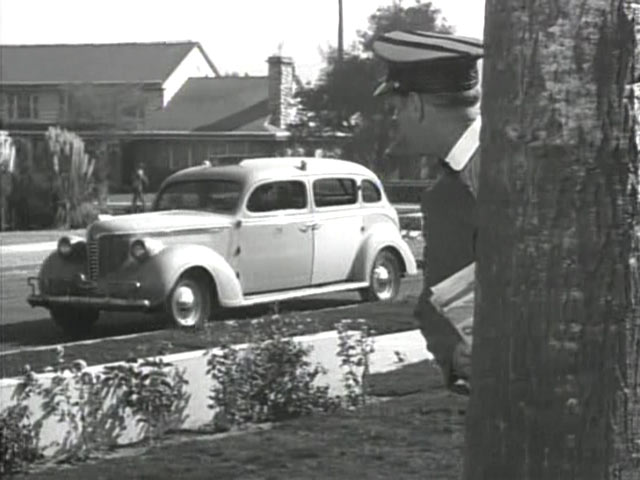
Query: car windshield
{"points": [[219, 196]]}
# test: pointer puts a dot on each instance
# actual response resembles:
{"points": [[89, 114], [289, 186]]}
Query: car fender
{"points": [[165, 267], [56, 268], [380, 236]]}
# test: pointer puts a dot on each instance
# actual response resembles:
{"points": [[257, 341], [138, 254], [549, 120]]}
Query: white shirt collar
{"points": [[465, 147]]}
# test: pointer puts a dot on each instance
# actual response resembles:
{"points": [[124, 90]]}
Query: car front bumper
{"points": [[91, 300]]}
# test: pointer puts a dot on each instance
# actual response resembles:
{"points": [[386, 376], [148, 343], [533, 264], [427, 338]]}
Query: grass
{"points": [[417, 434]]}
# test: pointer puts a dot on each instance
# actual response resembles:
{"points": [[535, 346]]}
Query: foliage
{"points": [[74, 183], [342, 101], [94, 407], [420, 16], [269, 380], [18, 434], [18, 441], [355, 346], [154, 392], [7, 151]]}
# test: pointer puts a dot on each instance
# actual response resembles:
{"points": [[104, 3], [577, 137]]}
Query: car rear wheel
{"points": [[384, 278], [75, 321], [190, 303]]}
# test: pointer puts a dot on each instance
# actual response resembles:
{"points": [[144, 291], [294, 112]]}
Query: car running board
{"points": [[300, 292]]}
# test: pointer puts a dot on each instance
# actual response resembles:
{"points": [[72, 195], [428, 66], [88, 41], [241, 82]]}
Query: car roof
{"points": [[255, 169]]}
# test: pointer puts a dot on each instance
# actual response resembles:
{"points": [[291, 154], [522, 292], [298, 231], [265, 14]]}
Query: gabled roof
{"points": [[215, 104], [115, 62]]}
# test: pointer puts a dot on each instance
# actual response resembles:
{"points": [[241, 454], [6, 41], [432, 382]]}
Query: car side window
{"points": [[330, 192], [289, 195], [370, 192]]}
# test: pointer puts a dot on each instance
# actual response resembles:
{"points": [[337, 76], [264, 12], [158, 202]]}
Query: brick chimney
{"points": [[281, 90]]}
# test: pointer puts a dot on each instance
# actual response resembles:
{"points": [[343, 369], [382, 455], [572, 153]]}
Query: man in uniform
{"points": [[433, 85]]}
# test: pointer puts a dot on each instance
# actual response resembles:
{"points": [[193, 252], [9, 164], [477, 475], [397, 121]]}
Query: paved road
{"points": [[22, 326]]}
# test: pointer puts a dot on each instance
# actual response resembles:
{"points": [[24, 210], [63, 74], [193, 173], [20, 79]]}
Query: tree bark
{"points": [[556, 352]]}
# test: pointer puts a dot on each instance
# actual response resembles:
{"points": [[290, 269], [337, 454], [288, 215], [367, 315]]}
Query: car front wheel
{"points": [[384, 278], [190, 302], [75, 321]]}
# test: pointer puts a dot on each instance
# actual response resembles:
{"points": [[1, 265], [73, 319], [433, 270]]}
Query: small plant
{"points": [[95, 406], [153, 390], [18, 434], [272, 379], [86, 403], [355, 346]]}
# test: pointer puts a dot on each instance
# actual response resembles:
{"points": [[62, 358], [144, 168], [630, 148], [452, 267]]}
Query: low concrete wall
{"points": [[197, 414]]}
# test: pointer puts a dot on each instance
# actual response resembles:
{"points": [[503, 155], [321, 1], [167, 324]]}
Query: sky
{"points": [[238, 35]]}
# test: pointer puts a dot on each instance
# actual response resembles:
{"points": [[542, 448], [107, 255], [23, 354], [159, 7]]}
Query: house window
{"points": [[22, 106]]}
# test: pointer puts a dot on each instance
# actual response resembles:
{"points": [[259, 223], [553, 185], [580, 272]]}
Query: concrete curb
{"points": [[410, 345]]}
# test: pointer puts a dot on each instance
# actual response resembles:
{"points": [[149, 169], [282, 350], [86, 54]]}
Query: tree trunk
{"points": [[556, 351]]}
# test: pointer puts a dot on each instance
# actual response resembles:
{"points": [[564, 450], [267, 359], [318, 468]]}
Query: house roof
{"points": [[216, 104], [115, 62]]}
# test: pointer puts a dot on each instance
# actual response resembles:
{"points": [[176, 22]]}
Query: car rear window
{"points": [[370, 192], [330, 192], [290, 195]]}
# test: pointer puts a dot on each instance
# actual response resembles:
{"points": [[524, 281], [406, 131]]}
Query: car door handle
{"points": [[306, 226]]}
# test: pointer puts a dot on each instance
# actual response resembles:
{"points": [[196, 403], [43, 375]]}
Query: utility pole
{"points": [[340, 32]]}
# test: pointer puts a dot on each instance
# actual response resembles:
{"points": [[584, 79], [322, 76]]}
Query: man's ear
{"points": [[415, 105]]}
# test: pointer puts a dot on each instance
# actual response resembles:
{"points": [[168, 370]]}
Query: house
{"points": [[163, 104], [221, 119], [94, 86]]}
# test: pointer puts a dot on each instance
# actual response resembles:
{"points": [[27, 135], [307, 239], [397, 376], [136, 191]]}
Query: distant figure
{"points": [[206, 163], [6, 188], [139, 182]]}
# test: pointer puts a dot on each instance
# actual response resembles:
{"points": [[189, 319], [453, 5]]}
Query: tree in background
{"points": [[73, 184], [341, 102], [556, 350]]}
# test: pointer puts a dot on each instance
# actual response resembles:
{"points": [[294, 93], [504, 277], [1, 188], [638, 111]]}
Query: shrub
{"points": [[18, 439], [18, 434], [153, 390], [74, 185], [355, 346], [96, 406], [272, 379]]}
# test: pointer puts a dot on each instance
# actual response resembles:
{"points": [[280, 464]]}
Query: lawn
{"points": [[418, 433]]}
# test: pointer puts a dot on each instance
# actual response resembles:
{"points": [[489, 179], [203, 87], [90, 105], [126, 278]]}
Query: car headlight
{"points": [[68, 245], [142, 248]]}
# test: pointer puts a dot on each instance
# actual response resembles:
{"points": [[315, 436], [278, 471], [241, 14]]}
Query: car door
{"points": [[275, 246], [338, 228]]}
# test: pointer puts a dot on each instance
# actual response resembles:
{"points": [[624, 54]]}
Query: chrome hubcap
{"points": [[383, 281], [186, 304]]}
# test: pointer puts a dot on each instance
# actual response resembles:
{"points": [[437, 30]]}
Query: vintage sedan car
{"points": [[262, 231]]}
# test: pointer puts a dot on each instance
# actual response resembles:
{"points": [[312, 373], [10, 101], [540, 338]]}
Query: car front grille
{"points": [[106, 254], [114, 250], [93, 260]]}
